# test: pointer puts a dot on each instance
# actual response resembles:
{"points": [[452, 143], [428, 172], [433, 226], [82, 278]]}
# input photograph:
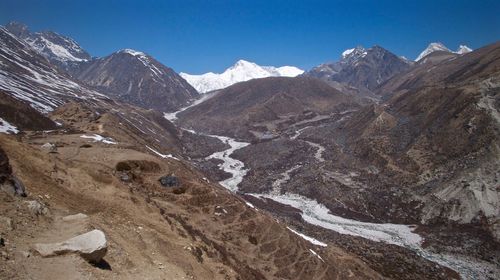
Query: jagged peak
{"points": [[354, 51], [432, 47]]}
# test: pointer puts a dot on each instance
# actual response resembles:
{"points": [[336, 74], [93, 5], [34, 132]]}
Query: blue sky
{"points": [[201, 36]]}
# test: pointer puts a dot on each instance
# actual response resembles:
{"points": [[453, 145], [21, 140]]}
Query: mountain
{"points": [[441, 128], [60, 50], [427, 155], [126, 75], [256, 108], [433, 47], [29, 77], [82, 161], [241, 71], [137, 78], [364, 69]]}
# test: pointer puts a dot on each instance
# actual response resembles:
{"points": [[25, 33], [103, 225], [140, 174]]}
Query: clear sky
{"points": [[201, 36]]}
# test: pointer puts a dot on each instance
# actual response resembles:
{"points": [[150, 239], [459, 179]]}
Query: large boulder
{"points": [[92, 246], [169, 181]]}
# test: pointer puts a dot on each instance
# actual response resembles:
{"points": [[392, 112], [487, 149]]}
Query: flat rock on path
{"points": [[76, 217], [92, 246]]}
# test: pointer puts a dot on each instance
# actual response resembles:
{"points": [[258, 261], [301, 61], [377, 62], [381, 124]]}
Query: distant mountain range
{"points": [[241, 71]]}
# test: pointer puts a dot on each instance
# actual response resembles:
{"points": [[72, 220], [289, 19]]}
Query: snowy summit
{"points": [[241, 71], [432, 47]]}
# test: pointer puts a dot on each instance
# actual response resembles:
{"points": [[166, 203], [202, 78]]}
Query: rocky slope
{"points": [[257, 109]]}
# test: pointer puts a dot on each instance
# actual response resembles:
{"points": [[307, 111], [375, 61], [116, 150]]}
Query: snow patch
{"points": [[132, 52], [250, 205], [6, 127], [99, 138], [347, 52], [316, 254], [160, 154], [463, 49], [308, 238]]}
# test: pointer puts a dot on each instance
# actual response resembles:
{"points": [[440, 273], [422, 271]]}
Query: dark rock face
{"points": [[169, 181], [8, 182], [138, 79], [362, 68], [5, 169]]}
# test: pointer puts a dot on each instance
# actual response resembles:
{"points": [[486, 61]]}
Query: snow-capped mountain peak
{"points": [[462, 49], [132, 52], [55, 47], [347, 52], [432, 47], [241, 71], [353, 53]]}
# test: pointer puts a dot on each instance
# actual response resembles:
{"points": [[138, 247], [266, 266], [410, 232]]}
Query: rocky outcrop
{"points": [[169, 181], [8, 182]]}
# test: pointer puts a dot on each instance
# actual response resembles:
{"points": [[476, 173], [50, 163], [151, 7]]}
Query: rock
{"points": [[5, 169], [76, 217], [5, 224], [51, 148], [13, 186], [91, 246], [125, 177], [19, 188], [169, 181], [37, 208]]}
